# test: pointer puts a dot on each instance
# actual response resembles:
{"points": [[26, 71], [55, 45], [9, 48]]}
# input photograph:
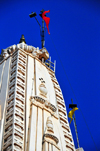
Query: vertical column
{"points": [[19, 105], [8, 124], [50, 147], [29, 90], [39, 130], [46, 146], [13, 138], [32, 129], [5, 68]]}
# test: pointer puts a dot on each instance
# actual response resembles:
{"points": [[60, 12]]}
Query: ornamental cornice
{"points": [[39, 53], [45, 102], [51, 136]]}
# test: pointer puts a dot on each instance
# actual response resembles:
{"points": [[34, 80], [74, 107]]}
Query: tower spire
{"points": [[22, 39]]}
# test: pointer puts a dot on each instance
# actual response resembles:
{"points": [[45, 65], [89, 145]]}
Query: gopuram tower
{"points": [[33, 114]]}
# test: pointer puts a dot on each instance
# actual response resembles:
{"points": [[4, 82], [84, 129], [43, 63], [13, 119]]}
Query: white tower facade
{"points": [[33, 115]]}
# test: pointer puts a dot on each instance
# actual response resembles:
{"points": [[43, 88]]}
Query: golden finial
{"points": [[22, 39]]}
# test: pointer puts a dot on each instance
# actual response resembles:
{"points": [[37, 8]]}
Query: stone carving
{"points": [[49, 131], [49, 125], [4, 54], [43, 89], [30, 49], [25, 47], [45, 102]]}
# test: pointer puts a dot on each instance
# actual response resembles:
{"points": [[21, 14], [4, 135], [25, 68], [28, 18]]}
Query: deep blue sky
{"points": [[75, 30]]}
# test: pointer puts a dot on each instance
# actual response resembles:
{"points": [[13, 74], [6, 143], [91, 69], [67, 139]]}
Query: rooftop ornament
{"points": [[22, 39]]}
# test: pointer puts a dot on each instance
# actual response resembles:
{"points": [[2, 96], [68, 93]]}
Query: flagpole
{"points": [[42, 32], [42, 35], [74, 121], [33, 14]]}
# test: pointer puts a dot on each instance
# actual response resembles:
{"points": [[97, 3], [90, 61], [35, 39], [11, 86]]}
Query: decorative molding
{"points": [[45, 102], [15, 109], [42, 53], [49, 125], [51, 136], [43, 89]]}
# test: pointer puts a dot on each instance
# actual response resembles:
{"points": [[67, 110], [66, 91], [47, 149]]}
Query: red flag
{"points": [[46, 19]]}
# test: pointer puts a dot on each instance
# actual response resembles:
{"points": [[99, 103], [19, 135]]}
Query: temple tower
{"points": [[33, 114]]}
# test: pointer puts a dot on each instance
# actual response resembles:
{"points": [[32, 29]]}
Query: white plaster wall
{"points": [[4, 83], [1, 76], [29, 92], [59, 133], [41, 72], [3, 93], [39, 117], [1, 72]]}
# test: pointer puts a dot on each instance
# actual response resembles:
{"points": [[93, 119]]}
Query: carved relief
{"points": [[49, 137], [42, 88], [40, 53], [45, 102], [49, 125]]}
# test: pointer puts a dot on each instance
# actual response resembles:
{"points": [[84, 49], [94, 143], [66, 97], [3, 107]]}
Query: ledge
{"points": [[43, 101], [52, 137]]}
